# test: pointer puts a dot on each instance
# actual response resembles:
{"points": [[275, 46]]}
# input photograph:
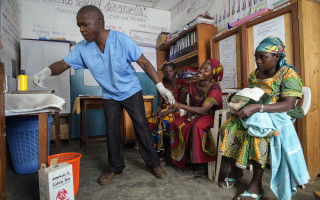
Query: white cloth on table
{"points": [[19, 104]]}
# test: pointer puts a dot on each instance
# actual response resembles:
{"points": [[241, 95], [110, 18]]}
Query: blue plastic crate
{"points": [[22, 138]]}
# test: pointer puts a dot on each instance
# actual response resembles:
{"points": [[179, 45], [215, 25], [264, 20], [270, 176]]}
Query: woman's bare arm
{"points": [[205, 107], [287, 104]]}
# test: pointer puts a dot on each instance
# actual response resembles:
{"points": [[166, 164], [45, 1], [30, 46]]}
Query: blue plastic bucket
{"points": [[23, 142]]}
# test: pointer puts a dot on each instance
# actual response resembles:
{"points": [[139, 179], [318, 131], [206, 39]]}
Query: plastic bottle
{"points": [[22, 81]]}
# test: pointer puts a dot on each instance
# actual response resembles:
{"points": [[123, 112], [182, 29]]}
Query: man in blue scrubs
{"points": [[108, 55]]}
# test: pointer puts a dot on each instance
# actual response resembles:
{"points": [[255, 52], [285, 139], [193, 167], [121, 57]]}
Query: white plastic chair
{"points": [[306, 93], [214, 167], [220, 117]]}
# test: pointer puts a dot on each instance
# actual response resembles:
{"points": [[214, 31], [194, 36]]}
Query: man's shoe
{"points": [[159, 172], [106, 178]]}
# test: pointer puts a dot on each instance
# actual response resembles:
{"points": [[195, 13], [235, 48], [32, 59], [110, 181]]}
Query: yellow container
{"points": [[22, 82]]}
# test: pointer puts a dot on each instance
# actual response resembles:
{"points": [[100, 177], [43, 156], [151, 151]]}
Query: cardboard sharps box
{"points": [[56, 182]]}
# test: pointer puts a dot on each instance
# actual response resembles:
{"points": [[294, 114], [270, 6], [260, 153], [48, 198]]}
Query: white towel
{"points": [[18, 104]]}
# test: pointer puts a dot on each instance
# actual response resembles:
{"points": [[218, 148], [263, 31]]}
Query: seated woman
{"points": [[279, 79], [160, 120], [192, 137]]}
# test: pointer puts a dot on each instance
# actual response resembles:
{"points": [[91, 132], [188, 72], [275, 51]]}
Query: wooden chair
{"points": [[222, 115]]}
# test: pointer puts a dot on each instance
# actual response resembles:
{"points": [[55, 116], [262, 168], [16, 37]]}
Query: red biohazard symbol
{"points": [[62, 195]]}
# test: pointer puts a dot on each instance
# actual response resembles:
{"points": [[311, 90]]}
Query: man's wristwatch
{"points": [[261, 109]]}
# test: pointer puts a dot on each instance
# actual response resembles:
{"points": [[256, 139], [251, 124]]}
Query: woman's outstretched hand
{"points": [[178, 105]]}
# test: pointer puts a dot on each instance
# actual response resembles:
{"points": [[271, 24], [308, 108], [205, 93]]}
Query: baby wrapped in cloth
{"points": [[258, 124]]}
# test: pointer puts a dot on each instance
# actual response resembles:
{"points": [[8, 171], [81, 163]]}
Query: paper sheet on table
{"points": [[228, 59]]}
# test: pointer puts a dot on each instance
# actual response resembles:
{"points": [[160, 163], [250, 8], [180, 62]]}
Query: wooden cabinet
{"points": [[309, 32], [128, 134], [3, 162], [194, 59]]}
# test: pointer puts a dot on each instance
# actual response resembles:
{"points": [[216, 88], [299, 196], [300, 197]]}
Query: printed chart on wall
{"points": [[57, 19], [274, 27], [228, 59], [148, 52]]}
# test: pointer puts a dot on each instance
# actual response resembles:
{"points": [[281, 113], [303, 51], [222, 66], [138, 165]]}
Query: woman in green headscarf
{"points": [[277, 78]]}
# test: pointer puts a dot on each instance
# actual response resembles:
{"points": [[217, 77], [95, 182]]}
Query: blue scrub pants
{"points": [[134, 105]]}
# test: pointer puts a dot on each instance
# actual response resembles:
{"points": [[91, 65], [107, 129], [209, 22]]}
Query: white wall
{"points": [[187, 10], [57, 18], [10, 27], [223, 11], [10, 36]]}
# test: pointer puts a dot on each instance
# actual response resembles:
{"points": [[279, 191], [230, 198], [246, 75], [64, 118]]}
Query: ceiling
{"points": [[159, 4]]}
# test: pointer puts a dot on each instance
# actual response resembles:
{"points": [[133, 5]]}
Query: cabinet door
{"points": [[128, 134], [2, 138]]}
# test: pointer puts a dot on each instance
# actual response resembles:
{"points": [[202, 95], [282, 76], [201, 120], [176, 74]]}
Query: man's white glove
{"points": [[38, 78], [165, 93]]}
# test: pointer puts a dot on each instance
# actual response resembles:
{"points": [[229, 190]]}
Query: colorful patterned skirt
{"points": [[159, 127], [193, 138], [239, 145]]}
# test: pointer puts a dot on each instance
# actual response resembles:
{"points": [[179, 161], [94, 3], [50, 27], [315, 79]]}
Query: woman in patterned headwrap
{"points": [[277, 78], [190, 134]]}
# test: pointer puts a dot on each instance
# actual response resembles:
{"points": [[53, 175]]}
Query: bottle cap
{"points": [[22, 72]]}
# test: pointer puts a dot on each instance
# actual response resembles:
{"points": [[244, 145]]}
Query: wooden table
{"points": [[56, 118], [13, 108], [42, 137], [89, 103]]}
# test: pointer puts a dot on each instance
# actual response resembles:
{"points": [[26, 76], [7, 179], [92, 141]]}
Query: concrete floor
{"points": [[137, 183]]}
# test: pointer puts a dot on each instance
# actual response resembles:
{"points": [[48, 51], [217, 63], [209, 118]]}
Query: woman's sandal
{"points": [[248, 194], [227, 180]]}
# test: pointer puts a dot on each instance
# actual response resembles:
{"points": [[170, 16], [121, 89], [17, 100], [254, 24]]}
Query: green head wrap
{"points": [[276, 46]]}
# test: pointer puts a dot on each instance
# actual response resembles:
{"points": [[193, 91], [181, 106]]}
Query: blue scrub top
{"points": [[112, 69]]}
